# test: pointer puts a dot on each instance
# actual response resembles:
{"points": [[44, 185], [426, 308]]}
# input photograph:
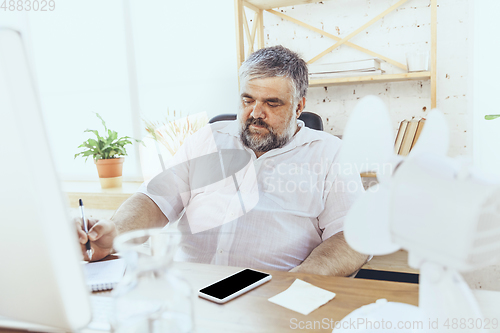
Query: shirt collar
{"points": [[232, 128]]}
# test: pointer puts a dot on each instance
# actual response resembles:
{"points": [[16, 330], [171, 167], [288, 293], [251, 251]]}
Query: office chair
{"points": [[311, 120]]}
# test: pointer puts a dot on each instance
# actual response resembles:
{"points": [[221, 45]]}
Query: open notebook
{"points": [[104, 275]]}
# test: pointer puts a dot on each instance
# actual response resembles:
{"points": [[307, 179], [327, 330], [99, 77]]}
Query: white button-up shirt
{"points": [[266, 213]]}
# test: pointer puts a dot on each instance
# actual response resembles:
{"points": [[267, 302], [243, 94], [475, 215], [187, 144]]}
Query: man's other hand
{"points": [[101, 235]]}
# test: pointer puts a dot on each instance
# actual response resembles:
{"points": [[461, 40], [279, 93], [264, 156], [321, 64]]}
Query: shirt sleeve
{"points": [[168, 189], [342, 188], [171, 189]]}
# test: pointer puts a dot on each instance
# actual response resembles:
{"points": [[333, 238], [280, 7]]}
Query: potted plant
{"points": [[107, 152]]}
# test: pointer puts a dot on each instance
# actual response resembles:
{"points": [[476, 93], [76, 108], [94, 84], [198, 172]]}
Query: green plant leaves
{"points": [[112, 135], [106, 147], [491, 116], [103, 123], [91, 143], [95, 132]]}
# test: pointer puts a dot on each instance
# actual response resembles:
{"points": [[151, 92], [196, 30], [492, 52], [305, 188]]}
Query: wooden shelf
{"points": [[371, 79], [254, 37], [95, 197], [394, 262], [269, 4]]}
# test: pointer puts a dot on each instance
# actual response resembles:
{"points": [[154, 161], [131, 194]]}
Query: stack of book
{"points": [[344, 69], [408, 133]]}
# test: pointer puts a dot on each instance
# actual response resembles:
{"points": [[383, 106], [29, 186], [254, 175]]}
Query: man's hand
{"points": [[137, 212], [101, 235]]}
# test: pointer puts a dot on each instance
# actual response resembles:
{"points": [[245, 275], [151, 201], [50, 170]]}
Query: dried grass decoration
{"points": [[172, 132]]}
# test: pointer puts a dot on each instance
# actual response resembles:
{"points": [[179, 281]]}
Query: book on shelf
{"points": [[320, 76], [411, 129], [400, 136], [346, 66], [408, 133], [419, 130]]}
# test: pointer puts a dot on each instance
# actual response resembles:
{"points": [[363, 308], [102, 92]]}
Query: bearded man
{"points": [[282, 208]]}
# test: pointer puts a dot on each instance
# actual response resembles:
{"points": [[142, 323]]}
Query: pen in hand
{"points": [[85, 227]]}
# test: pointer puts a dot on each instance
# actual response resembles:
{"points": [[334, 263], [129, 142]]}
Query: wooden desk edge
{"points": [[97, 198], [395, 262]]}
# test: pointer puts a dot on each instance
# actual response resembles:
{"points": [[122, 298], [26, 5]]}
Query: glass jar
{"points": [[152, 297]]}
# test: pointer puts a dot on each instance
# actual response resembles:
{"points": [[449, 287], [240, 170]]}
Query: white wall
{"points": [[186, 61], [485, 85], [186, 55], [80, 64], [405, 30], [483, 100]]}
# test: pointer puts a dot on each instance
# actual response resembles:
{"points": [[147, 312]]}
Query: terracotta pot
{"points": [[110, 172]]}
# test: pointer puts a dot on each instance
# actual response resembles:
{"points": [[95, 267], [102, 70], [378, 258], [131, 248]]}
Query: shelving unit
{"points": [[97, 198], [255, 40], [373, 78]]}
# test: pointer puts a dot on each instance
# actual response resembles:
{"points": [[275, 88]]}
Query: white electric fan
{"points": [[437, 208]]}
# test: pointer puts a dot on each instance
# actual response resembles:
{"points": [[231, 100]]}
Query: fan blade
{"points": [[366, 227], [368, 137], [435, 136]]}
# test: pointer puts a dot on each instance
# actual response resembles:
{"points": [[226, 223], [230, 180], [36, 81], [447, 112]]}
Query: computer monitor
{"points": [[41, 278]]}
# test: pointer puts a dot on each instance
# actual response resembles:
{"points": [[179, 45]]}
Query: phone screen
{"points": [[233, 283]]}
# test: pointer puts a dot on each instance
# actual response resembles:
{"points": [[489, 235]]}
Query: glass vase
{"points": [[152, 297]]}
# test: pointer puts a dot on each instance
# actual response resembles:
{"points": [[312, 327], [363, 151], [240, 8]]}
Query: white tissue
{"points": [[302, 297]]}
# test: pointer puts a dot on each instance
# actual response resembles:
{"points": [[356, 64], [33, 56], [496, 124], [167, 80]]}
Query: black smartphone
{"points": [[234, 285]]}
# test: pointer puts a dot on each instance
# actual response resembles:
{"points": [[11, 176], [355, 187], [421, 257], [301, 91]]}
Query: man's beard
{"points": [[268, 141]]}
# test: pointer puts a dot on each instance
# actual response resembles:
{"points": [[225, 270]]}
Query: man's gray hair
{"points": [[277, 61]]}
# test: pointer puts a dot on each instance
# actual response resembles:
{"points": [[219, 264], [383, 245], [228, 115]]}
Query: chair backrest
{"points": [[222, 117], [311, 120]]}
